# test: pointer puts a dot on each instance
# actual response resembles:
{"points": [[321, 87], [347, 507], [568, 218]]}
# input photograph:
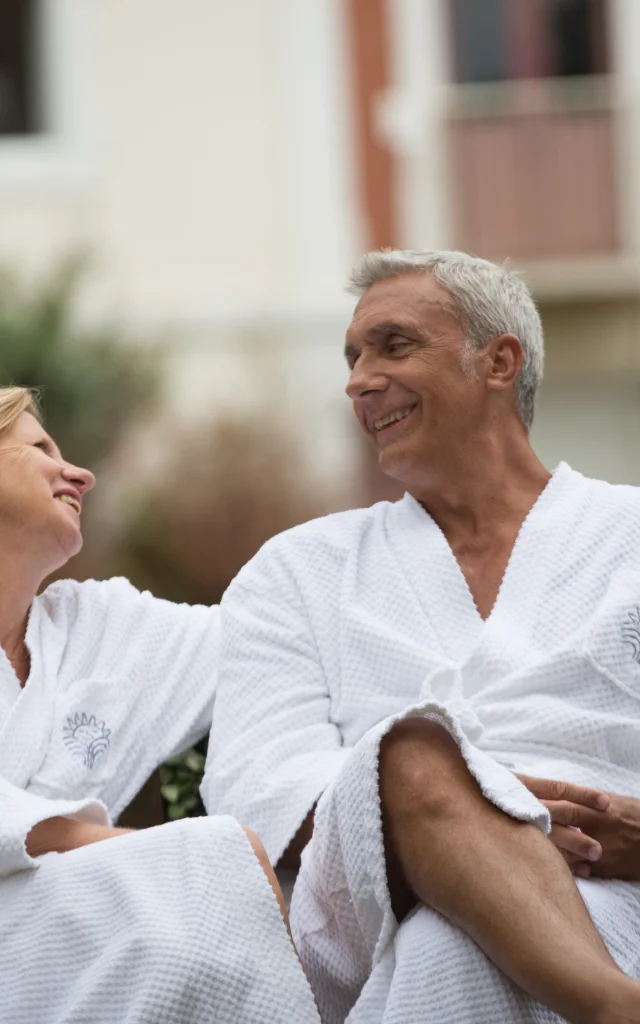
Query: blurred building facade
{"points": [[227, 163], [511, 128]]}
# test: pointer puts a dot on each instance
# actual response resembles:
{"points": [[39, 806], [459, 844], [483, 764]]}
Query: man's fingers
{"points": [[574, 815], [580, 868], [575, 845], [553, 789]]}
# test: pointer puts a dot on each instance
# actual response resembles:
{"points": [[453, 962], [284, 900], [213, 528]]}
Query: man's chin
{"points": [[398, 462]]}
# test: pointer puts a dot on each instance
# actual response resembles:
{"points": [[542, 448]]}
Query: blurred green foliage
{"points": [[92, 384], [180, 782]]}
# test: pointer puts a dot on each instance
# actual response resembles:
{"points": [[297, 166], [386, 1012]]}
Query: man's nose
{"points": [[365, 376], [82, 479]]}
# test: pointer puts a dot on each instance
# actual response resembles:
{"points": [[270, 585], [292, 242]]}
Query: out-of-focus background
{"points": [[185, 185]]}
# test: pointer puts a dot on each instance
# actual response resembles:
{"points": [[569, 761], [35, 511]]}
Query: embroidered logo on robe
{"points": [[86, 737], [631, 633]]}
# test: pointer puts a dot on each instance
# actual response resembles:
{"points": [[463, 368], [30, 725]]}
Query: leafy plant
{"points": [[92, 383], [180, 780]]}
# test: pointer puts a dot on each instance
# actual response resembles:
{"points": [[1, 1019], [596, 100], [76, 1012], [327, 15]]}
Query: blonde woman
{"points": [[99, 684]]}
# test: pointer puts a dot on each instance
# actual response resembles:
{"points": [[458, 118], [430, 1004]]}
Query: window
{"points": [[577, 32], [480, 38], [17, 86], [497, 40]]}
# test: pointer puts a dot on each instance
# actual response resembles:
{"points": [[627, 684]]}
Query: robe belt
{"points": [[445, 685]]}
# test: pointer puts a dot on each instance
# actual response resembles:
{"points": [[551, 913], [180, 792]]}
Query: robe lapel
{"points": [[509, 639], [422, 550], [471, 651]]}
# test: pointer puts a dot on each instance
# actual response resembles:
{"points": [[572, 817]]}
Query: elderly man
{"points": [[399, 683]]}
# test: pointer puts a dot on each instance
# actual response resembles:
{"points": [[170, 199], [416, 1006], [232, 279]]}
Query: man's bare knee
{"points": [[420, 766], [420, 769]]}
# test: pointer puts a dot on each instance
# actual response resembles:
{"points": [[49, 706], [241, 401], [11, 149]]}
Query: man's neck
{"points": [[482, 496]]}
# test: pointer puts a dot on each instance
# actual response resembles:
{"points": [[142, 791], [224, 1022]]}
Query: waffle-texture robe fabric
{"points": [[342, 625], [172, 924]]}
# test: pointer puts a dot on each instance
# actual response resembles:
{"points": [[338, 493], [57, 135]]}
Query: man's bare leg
{"points": [[500, 880]]}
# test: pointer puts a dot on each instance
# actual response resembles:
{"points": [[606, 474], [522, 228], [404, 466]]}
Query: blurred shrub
{"points": [[92, 384], [226, 489], [180, 780]]}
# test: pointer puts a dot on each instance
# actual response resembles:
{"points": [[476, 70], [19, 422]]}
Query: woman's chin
{"points": [[70, 546]]}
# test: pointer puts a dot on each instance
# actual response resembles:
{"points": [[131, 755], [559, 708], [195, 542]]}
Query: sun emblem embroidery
{"points": [[631, 633], [86, 738]]}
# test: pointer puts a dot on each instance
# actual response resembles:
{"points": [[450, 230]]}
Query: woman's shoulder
{"points": [[66, 600], [115, 607]]}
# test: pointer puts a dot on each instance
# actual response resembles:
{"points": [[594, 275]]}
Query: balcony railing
{"points": [[533, 169]]}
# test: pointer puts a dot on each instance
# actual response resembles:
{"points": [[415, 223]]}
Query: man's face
{"points": [[410, 393]]}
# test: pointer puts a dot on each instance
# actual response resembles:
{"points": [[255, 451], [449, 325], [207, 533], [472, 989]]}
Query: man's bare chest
{"points": [[484, 573]]}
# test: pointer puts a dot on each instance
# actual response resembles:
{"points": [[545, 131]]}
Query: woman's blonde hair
{"points": [[13, 402]]}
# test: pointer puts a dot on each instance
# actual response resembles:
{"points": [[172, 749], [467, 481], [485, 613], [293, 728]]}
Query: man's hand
{"points": [[574, 812], [618, 832], [598, 833], [58, 835]]}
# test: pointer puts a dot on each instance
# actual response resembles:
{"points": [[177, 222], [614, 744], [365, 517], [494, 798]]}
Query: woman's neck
{"points": [[16, 596]]}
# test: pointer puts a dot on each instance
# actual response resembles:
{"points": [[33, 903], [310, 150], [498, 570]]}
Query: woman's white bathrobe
{"points": [[342, 625], [173, 924]]}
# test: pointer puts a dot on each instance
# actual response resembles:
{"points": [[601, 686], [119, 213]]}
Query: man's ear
{"points": [[504, 361]]}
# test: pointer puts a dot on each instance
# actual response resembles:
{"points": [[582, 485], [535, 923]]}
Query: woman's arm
{"points": [[60, 834], [22, 811]]}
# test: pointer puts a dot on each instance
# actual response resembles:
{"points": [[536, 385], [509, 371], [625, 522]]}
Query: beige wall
{"points": [[588, 413]]}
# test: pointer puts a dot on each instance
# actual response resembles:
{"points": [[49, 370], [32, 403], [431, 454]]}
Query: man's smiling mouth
{"points": [[393, 417]]}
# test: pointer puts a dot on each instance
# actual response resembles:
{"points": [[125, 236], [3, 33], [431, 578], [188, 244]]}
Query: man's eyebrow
{"points": [[387, 328], [382, 330], [350, 351]]}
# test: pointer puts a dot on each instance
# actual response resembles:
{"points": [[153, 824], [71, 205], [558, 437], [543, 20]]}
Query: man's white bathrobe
{"points": [[342, 625], [173, 924]]}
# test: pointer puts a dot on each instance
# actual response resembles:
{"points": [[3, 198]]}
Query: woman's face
{"points": [[40, 497]]}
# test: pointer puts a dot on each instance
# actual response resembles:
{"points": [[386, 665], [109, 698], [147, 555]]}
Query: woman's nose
{"points": [[83, 479]]}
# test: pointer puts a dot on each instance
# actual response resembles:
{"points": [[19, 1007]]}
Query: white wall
{"points": [[202, 150]]}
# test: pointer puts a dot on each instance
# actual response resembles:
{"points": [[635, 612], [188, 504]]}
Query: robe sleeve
{"points": [[174, 678], [179, 673], [20, 810], [273, 747]]}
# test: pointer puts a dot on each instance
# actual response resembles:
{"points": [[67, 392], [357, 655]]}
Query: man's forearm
{"points": [[59, 835]]}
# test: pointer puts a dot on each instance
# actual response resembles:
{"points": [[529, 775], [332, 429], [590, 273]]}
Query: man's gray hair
{"points": [[490, 300]]}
